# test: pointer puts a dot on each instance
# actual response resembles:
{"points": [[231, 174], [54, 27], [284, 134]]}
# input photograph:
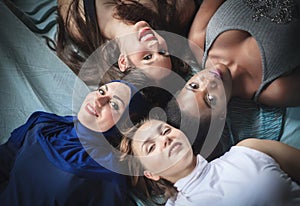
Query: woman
{"points": [[70, 160], [86, 25], [258, 42], [249, 174], [206, 97]]}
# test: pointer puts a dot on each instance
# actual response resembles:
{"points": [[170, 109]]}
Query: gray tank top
{"points": [[274, 24], [276, 27]]}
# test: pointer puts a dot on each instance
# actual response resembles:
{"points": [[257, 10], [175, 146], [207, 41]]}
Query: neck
{"points": [[181, 173], [244, 83]]}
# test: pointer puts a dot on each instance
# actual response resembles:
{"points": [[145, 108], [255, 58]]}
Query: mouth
{"points": [[91, 110], [146, 34], [216, 73], [174, 148]]}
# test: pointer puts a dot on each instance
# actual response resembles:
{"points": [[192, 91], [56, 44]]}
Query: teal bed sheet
{"points": [[32, 77]]}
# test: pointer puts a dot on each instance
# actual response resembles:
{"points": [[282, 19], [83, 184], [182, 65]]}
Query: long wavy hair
{"points": [[75, 47], [177, 119], [143, 185]]}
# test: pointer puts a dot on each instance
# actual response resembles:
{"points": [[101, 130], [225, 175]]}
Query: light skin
{"points": [[144, 48], [102, 109], [151, 53], [239, 51], [153, 141]]}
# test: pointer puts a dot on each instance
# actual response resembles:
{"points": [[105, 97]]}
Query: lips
{"points": [[146, 34], [91, 110], [175, 147]]}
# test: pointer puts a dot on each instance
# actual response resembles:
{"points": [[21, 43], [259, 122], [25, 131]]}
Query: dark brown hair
{"points": [[78, 37]]}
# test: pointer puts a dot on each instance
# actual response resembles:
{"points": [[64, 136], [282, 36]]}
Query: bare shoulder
{"points": [[283, 91]]}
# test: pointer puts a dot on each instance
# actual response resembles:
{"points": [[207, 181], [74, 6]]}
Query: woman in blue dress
{"points": [[70, 160]]}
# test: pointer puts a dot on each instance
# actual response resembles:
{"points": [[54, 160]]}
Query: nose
{"points": [[206, 83], [166, 141], [101, 100]]}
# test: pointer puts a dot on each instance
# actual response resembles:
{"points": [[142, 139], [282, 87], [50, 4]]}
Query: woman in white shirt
{"points": [[254, 172]]}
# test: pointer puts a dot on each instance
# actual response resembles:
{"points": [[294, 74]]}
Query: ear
{"points": [[122, 62], [151, 176]]}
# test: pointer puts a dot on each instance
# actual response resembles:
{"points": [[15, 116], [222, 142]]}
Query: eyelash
{"points": [[113, 104], [151, 146], [166, 131], [101, 91], [161, 52], [193, 85], [146, 57]]}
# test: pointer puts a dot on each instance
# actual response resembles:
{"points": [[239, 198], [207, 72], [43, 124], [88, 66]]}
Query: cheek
{"points": [[106, 121], [152, 163], [189, 104], [134, 48]]}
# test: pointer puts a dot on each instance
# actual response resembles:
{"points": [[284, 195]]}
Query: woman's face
{"points": [[162, 149], [102, 109], [207, 93], [145, 49]]}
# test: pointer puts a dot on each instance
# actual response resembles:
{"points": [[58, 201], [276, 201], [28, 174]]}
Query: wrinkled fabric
{"points": [[49, 166]]}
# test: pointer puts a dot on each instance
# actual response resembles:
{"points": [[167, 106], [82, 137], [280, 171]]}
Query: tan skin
{"points": [[239, 51], [286, 156]]}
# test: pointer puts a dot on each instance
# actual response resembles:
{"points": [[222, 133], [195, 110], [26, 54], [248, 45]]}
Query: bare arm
{"points": [[198, 29], [287, 157]]}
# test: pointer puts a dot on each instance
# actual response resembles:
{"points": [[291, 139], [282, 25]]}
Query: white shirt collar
{"points": [[184, 183]]}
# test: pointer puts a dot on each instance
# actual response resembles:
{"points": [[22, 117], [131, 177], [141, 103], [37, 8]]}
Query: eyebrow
{"points": [[158, 129], [115, 96]]}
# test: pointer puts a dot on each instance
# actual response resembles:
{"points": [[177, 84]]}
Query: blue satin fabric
{"points": [[45, 163]]}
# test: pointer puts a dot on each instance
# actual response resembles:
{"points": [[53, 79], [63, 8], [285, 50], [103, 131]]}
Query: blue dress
{"points": [[45, 163]]}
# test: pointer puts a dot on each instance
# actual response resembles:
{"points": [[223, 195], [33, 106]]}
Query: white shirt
{"points": [[242, 176]]}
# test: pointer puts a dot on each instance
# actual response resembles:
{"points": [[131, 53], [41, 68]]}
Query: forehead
{"points": [[149, 128], [198, 76], [118, 88]]}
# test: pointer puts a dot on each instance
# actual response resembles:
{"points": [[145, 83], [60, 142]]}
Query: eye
{"points": [[163, 52], [150, 148], [147, 57], [193, 85], [114, 105], [210, 99], [101, 91], [166, 131]]}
